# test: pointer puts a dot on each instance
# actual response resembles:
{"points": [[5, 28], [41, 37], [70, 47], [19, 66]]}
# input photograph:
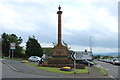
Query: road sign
{"points": [[81, 55], [12, 45], [73, 55]]}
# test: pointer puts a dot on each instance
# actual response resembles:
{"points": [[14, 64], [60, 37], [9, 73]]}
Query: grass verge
{"points": [[18, 59], [94, 63], [103, 71], [57, 70]]}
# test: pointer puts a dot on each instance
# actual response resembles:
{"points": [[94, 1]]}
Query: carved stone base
{"points": [[60, 51]]}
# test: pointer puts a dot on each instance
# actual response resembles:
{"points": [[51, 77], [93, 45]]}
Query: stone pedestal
{"points": [[60, 51], [60, 55]]}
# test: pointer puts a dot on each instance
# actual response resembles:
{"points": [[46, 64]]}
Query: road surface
{"points": [[9, 73], [111, 69]]}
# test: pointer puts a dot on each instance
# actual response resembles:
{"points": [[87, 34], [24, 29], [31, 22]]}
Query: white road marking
{"points": [[5, 66], [107, 69], [100, 66], [114, 66], [112, 77]]}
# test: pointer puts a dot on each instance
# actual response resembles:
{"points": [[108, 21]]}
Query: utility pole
{"points": [[91, 43], [9, 53]]}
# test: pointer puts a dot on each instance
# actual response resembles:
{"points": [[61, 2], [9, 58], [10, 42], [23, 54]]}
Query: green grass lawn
{"points": [[103, 71], [57, 70], [19, 59], [94, 63]]}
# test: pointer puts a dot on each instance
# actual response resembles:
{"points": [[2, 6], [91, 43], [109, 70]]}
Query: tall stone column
{"points": [[59, 26], [59, 50]]}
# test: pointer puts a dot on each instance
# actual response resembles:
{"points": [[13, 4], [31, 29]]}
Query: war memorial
{"points": [[60, 55]]}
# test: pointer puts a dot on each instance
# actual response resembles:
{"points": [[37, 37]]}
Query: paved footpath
{"points": [[21, 67]]}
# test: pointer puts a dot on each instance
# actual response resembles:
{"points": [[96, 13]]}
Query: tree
{"points": [[11, 38], [104, 57], [33, 48], [5, 44], [97, 57], [18, 41]]}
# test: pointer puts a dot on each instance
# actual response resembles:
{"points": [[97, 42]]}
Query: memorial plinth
{"points": [[60, 51]]}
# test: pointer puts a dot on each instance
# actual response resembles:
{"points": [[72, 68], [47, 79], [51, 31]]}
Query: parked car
{"points": [[101, 60], [111, 61], [34, 58], [116, 61], [104, 60], [86, 62], [107, 60]]}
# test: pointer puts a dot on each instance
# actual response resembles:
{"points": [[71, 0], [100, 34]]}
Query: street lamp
{"points": [[91, 43]]}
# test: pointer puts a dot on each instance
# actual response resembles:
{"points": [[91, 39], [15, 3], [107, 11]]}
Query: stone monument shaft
{"points": [[59, 50], [59, 26]]}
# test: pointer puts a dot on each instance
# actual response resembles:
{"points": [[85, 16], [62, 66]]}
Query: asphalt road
{"points": [[9, 73], [111, 69]]}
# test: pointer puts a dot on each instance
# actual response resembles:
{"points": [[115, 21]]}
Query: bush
{"points": [[22, 55]]}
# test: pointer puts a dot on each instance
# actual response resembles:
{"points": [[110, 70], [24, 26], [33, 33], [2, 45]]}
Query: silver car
{"points": [[116, 61], [34, 58]]}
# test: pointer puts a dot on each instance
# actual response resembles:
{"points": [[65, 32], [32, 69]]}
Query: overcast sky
{"points": [[80, 20]]}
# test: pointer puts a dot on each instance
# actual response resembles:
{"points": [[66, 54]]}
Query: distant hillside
{"points": [[107, 54]]}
